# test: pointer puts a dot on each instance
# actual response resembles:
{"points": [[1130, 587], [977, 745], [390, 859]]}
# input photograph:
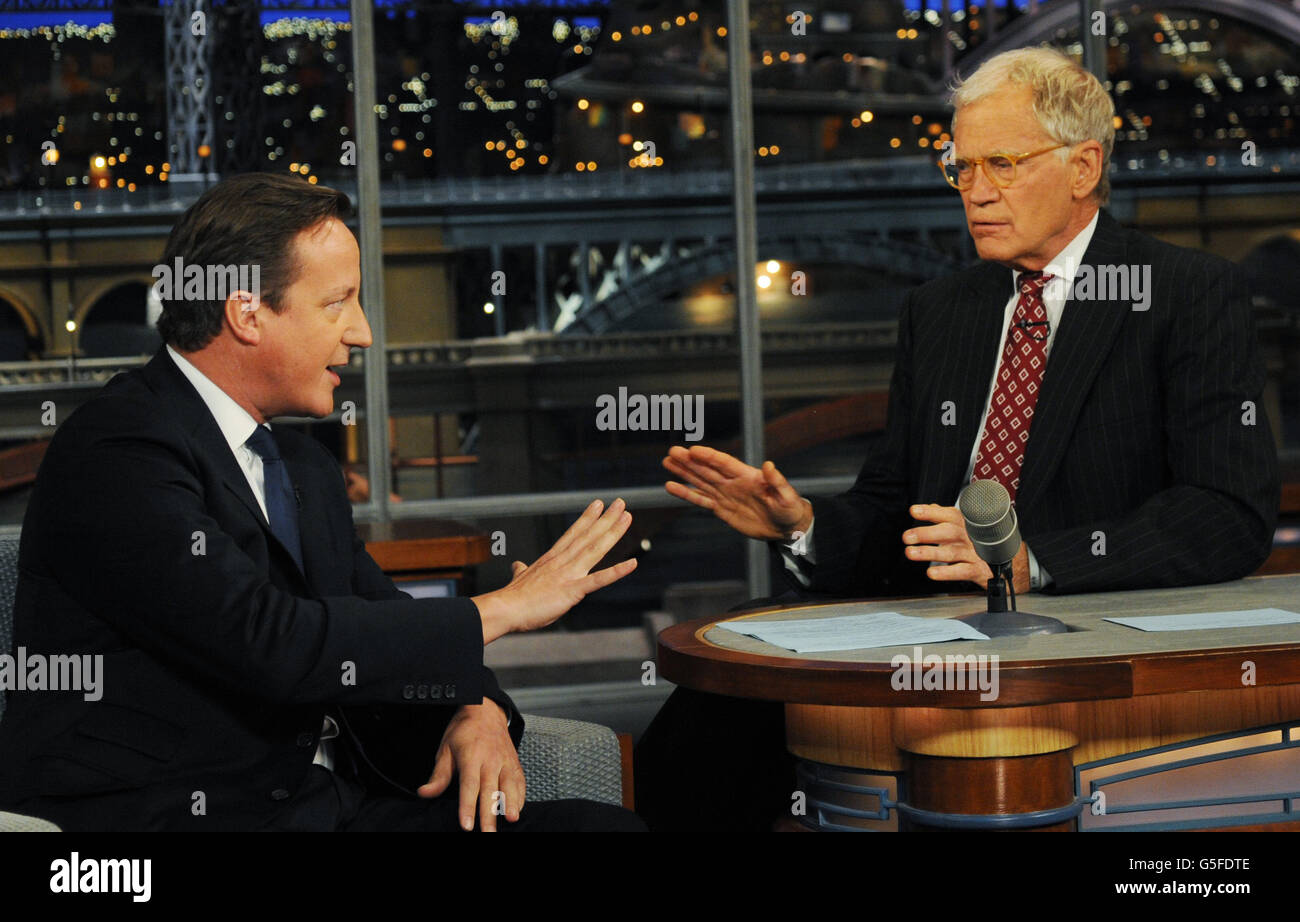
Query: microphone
{"points": [[994, 532], [990, 522]]}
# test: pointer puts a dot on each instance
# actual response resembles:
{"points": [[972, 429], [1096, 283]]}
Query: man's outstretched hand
{"points": [[946, 541], [757, 502], [560, 578], [477, 747]]}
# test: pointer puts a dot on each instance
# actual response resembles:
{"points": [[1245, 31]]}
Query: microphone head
{"points": [[990, 521]]}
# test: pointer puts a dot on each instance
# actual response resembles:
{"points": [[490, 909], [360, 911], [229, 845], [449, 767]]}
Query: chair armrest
{"points": [[571, 758], [16, 822]]}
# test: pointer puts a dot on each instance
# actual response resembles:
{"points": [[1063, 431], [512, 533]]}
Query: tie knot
{"points": [[1033, 282], [262, 443]]}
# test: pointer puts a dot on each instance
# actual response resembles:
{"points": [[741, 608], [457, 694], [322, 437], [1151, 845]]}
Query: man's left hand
{"points": [[477, 748], [946, 541]]}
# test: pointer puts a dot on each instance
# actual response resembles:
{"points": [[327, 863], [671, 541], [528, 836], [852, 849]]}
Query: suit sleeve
{"points": [[372, 583], [127, 535], [1215, 520], [858, 540]]}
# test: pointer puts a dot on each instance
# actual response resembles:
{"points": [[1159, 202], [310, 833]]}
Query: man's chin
{"points": [[994, 250]]}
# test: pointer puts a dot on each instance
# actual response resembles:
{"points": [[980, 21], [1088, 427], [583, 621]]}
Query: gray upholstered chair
{"points": [[561, 758]]}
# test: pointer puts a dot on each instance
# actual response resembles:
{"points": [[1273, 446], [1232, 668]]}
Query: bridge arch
{"points": [[32, 330], [1062, 16], [644, 290], [122, 326]]}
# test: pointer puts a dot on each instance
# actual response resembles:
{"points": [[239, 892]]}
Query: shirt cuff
{"points": [[798, 554], [1039, 578]]}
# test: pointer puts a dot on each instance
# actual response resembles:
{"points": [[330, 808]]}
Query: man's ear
{"points": [[1087, 174], [240, 310]]}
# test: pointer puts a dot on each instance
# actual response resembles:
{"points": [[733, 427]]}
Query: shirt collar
{"points": [[1065, 264], [234, 421]]}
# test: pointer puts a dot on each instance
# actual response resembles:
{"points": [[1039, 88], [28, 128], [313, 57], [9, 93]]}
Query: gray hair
{"points": [[1070, 103]]}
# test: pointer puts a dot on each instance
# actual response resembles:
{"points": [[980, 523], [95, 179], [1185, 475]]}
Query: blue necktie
{"points": [[281, 502]]}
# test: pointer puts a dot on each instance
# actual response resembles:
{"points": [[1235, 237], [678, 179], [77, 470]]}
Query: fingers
{"points": [[602, 578], [589, 515], [612, 532], [957, 572], [513, 786], [928, 512], [702, 500], [696, 473], [718, 461], [944, 553], [696, 476], [776, 480], [489, 799], [443, 768], [936, 534], [588, 548], [469, 795]]}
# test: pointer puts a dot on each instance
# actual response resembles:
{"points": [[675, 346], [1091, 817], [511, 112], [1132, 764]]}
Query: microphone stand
{"points": [[1002, 618]]}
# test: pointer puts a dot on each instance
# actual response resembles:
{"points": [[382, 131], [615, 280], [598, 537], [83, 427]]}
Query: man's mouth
{"points": [[334, 374]]}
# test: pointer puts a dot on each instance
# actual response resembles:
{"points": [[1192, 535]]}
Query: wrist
{"points": [[492, 614], [488, 710], [804, 523]]}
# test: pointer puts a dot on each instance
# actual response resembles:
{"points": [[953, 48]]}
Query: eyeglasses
{"points": [[999, 168]]}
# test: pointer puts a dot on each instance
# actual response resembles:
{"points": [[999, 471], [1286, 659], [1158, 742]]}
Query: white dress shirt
{"points": [[799, 554], [237, 425]]}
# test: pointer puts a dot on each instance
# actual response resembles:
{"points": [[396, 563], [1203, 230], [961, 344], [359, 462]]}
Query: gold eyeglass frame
{"points": [[982, 162]]}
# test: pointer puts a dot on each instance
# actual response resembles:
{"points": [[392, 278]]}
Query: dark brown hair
{"points": [[246, 220]]}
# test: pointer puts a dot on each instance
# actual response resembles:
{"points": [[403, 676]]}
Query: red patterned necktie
{"points": [[1020, 374]]}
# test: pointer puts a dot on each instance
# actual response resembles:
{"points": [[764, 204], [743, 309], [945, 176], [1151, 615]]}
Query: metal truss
{"points": [[189, 84]]}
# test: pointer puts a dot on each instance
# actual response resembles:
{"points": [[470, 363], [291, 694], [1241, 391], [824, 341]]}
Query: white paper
{"points": [[1204, 620], [853, 632]]}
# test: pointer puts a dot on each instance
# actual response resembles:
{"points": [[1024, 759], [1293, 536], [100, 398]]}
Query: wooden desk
{"points": [[410, 549], [1068, 708]]}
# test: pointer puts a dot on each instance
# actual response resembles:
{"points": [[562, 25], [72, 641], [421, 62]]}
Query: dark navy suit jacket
{"points": [[1149, 439], [143, 543]]}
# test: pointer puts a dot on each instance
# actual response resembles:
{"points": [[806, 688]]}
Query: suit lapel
{"points": [[170, 383], [976, 329], [1088, 329]]}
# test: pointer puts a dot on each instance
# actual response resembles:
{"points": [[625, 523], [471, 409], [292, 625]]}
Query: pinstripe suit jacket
{"points": [[1143, 468]]}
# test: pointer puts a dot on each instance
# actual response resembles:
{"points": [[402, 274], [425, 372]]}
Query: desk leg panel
{"points": [[994, 787]]}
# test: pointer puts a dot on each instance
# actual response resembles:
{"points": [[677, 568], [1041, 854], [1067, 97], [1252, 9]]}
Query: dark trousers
{"points": [[330, 802], [710, 762]]}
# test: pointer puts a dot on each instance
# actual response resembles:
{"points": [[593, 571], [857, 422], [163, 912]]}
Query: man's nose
{"points": [[983, 190], [358, 330]]}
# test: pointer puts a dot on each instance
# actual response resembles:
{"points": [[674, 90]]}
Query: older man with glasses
{"points": [[1111, 382]]}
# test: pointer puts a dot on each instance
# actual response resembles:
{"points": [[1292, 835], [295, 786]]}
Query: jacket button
{"points": [[279, 794], [304, 739]]}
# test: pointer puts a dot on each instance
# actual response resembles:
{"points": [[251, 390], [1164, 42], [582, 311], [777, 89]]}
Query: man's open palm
{"points": [[757, 502]]}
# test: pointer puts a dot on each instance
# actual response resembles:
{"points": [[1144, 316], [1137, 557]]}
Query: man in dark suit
{"points": [[1109, 381], [259, 671]]}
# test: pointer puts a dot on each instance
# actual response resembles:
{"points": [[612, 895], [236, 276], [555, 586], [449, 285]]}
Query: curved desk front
{"points": [[1102, 727]]}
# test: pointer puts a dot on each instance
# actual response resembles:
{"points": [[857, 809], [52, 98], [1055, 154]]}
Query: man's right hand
{"points": [[560, 578], [757, 502]]}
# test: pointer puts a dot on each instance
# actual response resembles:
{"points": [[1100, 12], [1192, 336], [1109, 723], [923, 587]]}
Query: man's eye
{"points": [[1002, 164]]}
